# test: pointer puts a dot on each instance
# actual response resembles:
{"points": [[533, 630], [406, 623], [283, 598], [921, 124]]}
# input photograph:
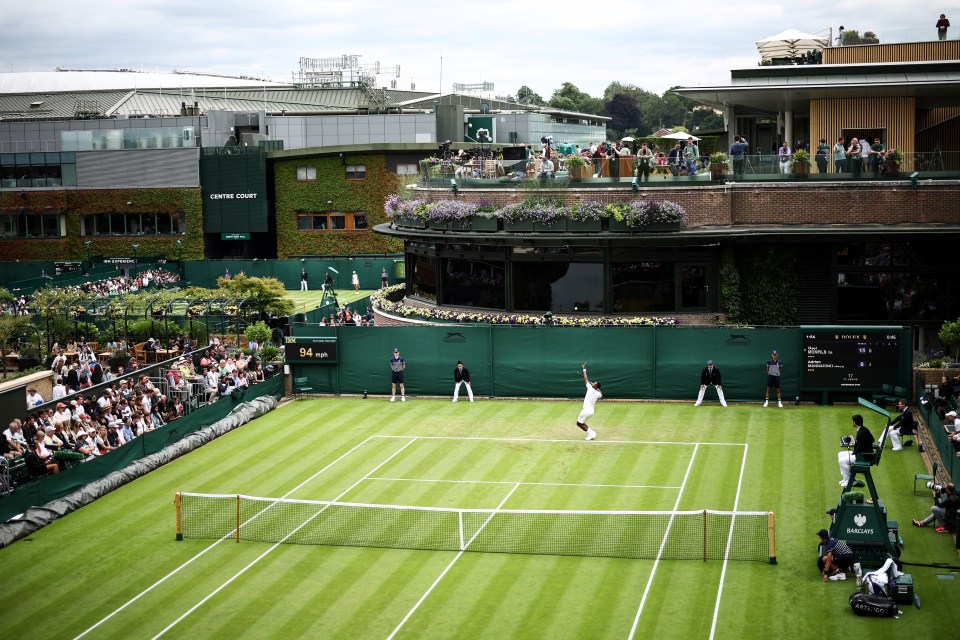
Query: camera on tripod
{"points": [[937, 488]]}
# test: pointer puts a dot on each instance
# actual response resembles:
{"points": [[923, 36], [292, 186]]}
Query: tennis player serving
{"points": [[589, 402]]}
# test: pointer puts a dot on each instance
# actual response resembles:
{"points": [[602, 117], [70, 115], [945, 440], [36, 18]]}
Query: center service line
{"points": [[726, 554]]}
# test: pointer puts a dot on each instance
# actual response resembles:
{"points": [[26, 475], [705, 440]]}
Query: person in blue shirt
{"points": [[738, 153], [774, 367]]}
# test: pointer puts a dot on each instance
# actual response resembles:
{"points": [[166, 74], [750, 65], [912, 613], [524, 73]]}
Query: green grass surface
{"points": [[83, 569], [307, 300]]}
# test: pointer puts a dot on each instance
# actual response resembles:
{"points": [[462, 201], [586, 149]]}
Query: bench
{"points": [[895, 393], [299, 386]]}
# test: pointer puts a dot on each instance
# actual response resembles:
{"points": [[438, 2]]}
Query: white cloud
{"points": [[541, 45]]}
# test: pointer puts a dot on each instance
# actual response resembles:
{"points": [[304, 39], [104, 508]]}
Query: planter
{"points": [[522, 226], [477, 223], [661, 227], [412, 223], [618, 226], [579, 173], [433, 225], [584, 226], [718, 170], [801, 171], [558, 226], [893, 169]]}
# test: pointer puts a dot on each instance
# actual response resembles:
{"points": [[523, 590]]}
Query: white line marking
{"points": [[726, 553], [275, 545], [449, 566], [175, 571], [593, 443], [531, 484], [663, 543]]}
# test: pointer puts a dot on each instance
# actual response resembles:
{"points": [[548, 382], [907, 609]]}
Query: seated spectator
{"points": [[39, 460], [113, 438], [50, 439], [126, 431], [34, 399], [15, 440], [85, 443]]}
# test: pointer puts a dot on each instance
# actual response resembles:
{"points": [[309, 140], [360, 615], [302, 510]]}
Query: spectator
{"points": [[691, 154], [839, 156], [675, 159], [944, 509], [942, 25], [15, 442], [39, 460], [783, 155], [59, 390], [34, 399]]}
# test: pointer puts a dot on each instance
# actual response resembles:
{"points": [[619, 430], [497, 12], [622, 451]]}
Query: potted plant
{"points": [[800, 164], [718, 165], [578, 168], [894, 161]]}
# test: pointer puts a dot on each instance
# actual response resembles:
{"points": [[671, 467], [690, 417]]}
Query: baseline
{"points": [[531, 484], [560, 440]]}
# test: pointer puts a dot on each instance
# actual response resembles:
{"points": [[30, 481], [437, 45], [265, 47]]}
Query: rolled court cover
{"points": [[674, 535]]}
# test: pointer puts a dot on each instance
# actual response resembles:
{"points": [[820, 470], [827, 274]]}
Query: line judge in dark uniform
{"points": [[461, 375], [710, 375], [903, 425]]}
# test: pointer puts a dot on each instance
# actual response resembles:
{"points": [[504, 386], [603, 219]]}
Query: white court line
{"points": [[449, 566], [580, 440], [531, 484], [726, 555], [663, 543], [172, 573], [275, 545]]}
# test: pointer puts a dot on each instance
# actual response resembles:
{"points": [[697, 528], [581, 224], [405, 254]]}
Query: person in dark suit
{"points": [[461, 375], [903, 425], [861, 442], [303, 280], [710, 375]]}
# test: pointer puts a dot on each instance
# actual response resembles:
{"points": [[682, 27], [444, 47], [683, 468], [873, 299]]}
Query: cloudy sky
{"points": [[654, 45]]}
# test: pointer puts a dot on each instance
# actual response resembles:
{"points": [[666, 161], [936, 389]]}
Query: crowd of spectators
{"points": [[345, 317]]}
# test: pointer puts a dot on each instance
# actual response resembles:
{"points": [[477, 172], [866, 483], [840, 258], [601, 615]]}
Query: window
{"points": [[130, 224], [640, 287], [31, 225], [473, 283], [331, 220], [562, 287], [305, 174], [356, 171], [424, 281], [407, 168]]}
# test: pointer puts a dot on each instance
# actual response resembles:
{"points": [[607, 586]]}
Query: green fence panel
{"points": [[205, 273], [54, 487], [741, 356]]}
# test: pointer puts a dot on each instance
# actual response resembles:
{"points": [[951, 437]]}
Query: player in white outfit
{"points": [[589, 402]]}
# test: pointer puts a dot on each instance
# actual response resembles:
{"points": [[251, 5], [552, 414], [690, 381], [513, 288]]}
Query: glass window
{"points": [[693, 287], [338, 221], [118, 225], [306, 173], [356, 171], [885, 297], [359, 221], [473, 283], [640, 287], [8, 226], [50, 226], [304, 222], [407, 168], [563, 287], [424, 281], [164, 224]]}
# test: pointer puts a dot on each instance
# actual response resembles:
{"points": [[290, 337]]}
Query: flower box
{"points": [[558, 226], [660, 227], [520, 226], [479, 223], [434, 225], [619, 226], [584, 226], [411, 223]]}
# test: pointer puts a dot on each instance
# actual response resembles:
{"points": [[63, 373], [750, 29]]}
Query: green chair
{"points": [[886, 390], [924, 477], [299, 386]]}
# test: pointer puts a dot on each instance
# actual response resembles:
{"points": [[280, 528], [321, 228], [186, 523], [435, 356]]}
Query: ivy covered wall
{"points": [[351, 196], [759, 284], [185, 203]]}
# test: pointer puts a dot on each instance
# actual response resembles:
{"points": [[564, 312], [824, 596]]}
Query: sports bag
{"points": [[873, 606]]}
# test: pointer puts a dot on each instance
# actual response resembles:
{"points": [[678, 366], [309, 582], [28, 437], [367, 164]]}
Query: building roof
{"points": [[104, 80], [790, 88]]}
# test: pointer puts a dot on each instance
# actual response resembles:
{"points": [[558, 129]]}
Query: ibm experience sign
{"points": [[311, 350]]}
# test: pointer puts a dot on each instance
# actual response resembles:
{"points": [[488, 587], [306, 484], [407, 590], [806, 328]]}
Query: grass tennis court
{"points": [[113, 569]]}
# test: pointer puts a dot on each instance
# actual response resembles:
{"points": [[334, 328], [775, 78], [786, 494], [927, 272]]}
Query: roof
{"points": [[77, 80], [791, 87]]}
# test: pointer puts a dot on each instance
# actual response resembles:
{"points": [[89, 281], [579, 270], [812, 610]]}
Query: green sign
{"points": [[235, 236]]}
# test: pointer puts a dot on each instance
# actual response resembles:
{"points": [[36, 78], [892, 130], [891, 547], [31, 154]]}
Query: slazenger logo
{"points": [[738, 340], [455, 337], [860, 519]]}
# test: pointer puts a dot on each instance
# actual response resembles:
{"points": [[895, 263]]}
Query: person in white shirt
{"points": [[355, 281], [62, 414], [589, 402], [59, 390], [34, 399]]}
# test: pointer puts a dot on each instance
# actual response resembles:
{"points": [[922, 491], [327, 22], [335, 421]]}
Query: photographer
{"points": [[944, 509]]}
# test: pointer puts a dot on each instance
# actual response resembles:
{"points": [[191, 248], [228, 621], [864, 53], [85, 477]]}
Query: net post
{"points": [[179, 508], [238, 518], [773, 541], [704, 535]]}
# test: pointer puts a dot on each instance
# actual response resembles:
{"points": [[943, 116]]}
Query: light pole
{"points": [[136, 251], [180, 256], [89, 259]]}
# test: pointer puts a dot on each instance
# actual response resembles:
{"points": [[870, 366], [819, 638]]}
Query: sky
{"points": [[652, 45]]}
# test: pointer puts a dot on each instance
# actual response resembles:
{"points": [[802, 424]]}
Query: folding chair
{"points": [[925, 478]]}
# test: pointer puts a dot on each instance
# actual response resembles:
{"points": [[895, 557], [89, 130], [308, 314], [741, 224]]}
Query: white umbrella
{"points": [[789, 44], [679, 135], [627, 139]]}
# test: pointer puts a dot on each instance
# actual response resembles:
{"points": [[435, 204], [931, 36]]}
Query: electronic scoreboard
{"points": [[851, 360]]}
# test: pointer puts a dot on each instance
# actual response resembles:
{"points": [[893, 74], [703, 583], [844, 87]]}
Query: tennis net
{"points": [[677, 535]]}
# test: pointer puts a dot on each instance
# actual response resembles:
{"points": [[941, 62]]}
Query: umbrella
{"points": [[627, 139], [789, 44], [679, 135]]}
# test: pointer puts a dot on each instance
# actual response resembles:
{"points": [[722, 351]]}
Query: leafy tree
{"points": [[5, 295], [526, 95], [569, 98], [269, 293], [11, 327], [259, 332], [625, 114], [950, 335]]}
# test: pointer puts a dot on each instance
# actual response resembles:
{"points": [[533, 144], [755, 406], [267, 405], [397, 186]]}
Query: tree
{"points": [[625, 114], [11, 327], [526, 95], [269, 293], [569, 98], [259, 332], [950, 335]]}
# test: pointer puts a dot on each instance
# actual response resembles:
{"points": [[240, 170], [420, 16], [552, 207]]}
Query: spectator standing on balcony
{"points": [[840, 34], [942, 25], [691, 154], [877, 151], [853, 158], [644, 161], [823, 149], [675, 158], [783, 155], [738, 153], [839, 156]]}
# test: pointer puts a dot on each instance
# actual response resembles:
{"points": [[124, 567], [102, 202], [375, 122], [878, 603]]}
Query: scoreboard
{"points": [[310, 350], [850, 360]]}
